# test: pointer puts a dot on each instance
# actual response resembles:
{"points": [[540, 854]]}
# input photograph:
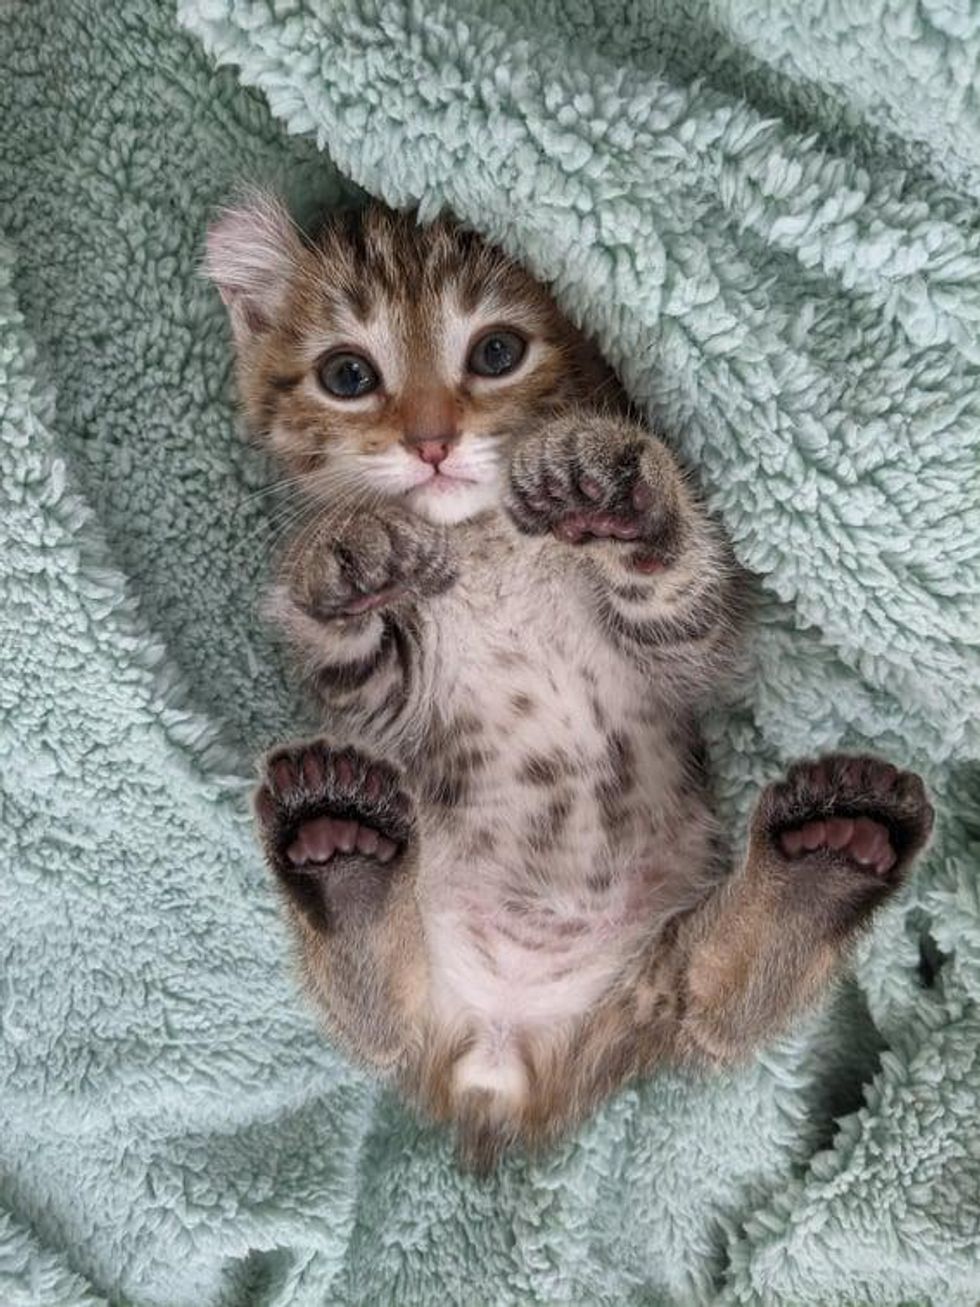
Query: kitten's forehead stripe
{"points": [[388, 254], [360, 300]]}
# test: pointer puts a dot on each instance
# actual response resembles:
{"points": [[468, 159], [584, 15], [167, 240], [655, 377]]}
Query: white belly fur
{"points": [[521, 944]]}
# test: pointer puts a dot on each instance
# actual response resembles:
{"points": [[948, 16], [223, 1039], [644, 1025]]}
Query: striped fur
{"points": [[501, 863]]}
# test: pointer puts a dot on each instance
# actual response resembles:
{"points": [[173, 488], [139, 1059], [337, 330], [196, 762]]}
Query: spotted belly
{"points": [[526, 956]]}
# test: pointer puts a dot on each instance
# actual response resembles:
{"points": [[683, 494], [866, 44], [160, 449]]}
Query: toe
{"points": [[265, 806], [373, 782], [813, 834], [885, 775], [282, 775], [886, 861], [623, 529], [912, 792], [571, 529], [817, 778], [642, 496], [367, 840], [345, 835], [791, 842], [839, 831], [312, 769], [869, 843], [315, 841], [386, 849]]}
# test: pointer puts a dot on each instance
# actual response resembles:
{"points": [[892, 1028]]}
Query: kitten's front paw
{"points": [[370, 560], [592, 477], [846, 828], [335, 824]]}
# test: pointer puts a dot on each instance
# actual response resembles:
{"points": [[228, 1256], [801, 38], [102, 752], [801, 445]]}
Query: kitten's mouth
{"points": [[450, 497], [442, 483]]}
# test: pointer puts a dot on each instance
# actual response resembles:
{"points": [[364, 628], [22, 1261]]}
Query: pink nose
{"points": [[432, 451]]}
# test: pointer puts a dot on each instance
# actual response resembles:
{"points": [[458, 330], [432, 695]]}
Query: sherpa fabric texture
{"points": [[768, 213]]}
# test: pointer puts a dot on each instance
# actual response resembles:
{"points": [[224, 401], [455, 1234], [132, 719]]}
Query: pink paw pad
{"points": [[648, 564], [318, 840], [861, 839], [365, 603], [600, 525]]}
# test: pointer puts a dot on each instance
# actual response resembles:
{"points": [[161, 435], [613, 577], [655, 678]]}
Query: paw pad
{"points": [[317, 802], [599, 479], [864, 841], [318, 840], [866, 810]]}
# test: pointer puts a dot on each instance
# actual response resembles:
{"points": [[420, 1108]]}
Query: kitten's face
{"points": [[388, 359]]}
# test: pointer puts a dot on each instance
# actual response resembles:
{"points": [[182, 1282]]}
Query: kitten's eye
{"points": [[496, 353], [348, 376]]}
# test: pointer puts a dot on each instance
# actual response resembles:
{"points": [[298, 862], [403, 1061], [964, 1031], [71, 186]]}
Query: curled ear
{"points": [[252, 251]]}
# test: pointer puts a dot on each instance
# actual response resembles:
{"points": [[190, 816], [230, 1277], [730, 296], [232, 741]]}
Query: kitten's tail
{"points": [[490, 1089]]}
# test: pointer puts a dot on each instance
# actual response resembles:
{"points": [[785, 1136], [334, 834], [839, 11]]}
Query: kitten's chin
{"points": [[447, 504]]}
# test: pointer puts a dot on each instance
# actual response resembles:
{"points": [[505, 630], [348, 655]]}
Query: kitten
{"points": [[501, 865]]}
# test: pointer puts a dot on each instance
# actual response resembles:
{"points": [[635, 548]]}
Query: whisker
{"points": [[283, 483]]}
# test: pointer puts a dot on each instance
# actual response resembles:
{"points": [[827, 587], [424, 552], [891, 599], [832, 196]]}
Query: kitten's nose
{"points": [[432, 451], [429, 422]]}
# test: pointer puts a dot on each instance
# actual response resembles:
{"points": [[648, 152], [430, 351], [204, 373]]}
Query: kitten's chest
{"points": [[511, 648], [535, 711]]}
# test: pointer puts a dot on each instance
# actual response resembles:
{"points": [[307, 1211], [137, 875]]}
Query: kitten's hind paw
{"points": [[846, 829], [335, 825]]}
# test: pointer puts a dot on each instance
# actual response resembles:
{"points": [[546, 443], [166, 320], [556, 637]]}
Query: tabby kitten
{"points": [[501, 864]]}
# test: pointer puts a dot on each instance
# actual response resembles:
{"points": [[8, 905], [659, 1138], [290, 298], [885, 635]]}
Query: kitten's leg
{"points": [[660, 579], [827, 846], [347, 596], [338, 830]]}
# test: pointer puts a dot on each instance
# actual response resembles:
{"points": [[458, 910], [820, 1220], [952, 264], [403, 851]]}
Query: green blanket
{"points": [[769, 213]]}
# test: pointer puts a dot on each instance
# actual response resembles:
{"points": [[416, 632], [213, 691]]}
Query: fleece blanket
{"points": [[769, 214]]}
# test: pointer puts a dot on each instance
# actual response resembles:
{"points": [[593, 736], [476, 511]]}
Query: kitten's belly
{"points": [[518, 970], [573, 840]]}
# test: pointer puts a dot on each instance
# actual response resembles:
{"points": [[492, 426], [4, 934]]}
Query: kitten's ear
{"points": [[252, 251]]}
